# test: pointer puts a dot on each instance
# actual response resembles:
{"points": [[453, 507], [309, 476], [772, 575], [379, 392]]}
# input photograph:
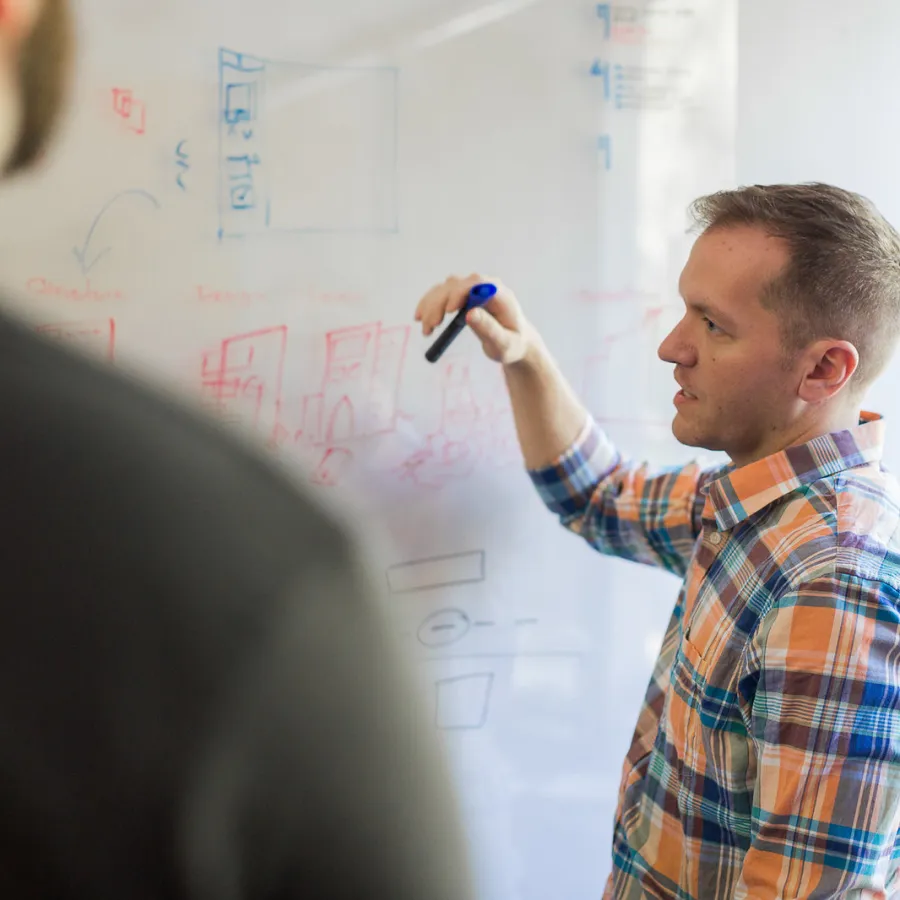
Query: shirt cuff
{"points": [[567, 485]]}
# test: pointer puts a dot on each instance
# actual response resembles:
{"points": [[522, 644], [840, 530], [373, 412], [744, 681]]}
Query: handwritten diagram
{"points": [[474, 656], [242, 378], [600, 70], [305, 148], [444, 627], [238, 296], [46, 287], [87, 256], [360, 384], [133, 112], [472, 659], [475, 427], [437, 572], [181, 161], [343, 424], [332, 467], [644, 87], [463, 701], [629, 23], [97, 337], [628, 80], [358, 403], [357, 398], [450, 625], [647, 87]]}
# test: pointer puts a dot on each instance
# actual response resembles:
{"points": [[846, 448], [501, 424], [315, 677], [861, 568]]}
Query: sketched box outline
{"points": [[444, 687], [233, 59], [467, 577]]}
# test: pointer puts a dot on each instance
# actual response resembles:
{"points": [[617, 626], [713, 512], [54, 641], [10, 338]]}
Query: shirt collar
{"points": [[740, 492]]}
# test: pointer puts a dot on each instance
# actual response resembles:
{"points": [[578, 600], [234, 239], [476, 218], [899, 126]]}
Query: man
{"points": [[197, 696], [766, 758]]}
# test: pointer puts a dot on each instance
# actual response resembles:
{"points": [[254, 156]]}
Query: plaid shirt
{"points": [[766, 759]]}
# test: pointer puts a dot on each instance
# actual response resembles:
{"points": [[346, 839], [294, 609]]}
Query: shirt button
{"points": [[715, 538]]}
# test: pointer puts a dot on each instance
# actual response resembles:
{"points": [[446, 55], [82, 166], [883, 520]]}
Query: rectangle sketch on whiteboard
{"points": [[94, 336], [436, 572], [463, 701], [305, 148], [242, 378], [360, 384]]}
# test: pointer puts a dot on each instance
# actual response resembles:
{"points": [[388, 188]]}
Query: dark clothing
{"points": [[198, 698]]}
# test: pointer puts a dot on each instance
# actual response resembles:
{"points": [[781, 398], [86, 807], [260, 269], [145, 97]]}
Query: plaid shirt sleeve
{"points": [[621, 508], [821, 687]]}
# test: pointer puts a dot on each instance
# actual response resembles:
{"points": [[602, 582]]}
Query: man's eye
{"points": [[710, 325]]}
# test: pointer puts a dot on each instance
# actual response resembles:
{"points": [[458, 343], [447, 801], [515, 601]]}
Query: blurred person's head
{"points": [[36, 38]]}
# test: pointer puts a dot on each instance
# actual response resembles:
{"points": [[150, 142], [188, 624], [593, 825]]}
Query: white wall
{"points": [[818, 100]]}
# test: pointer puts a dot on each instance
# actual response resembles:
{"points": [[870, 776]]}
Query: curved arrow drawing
{"points": [[82, 254]]}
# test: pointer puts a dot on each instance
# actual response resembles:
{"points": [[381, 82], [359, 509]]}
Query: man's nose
{"points": [[676, 349]]}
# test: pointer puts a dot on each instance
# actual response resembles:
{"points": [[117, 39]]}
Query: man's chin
{"points": [[688, 436]]}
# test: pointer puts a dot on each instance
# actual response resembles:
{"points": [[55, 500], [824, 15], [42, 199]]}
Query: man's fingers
{"points": [[459, 289], [489, 331], [431, 308], [444, 299]]}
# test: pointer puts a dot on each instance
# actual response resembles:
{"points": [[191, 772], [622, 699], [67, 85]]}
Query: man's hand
{"points": [[505, 334], [548, 415]]}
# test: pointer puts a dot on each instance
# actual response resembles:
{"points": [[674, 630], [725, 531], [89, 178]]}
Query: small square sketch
{"points": [[96, 336], [463, 701], [306, 149]]}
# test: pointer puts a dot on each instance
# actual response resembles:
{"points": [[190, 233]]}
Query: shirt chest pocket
{"points": [[715, 750], [711, 656], [712, 719], [688, 690]]}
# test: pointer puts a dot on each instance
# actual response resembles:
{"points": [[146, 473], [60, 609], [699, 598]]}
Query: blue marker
{"points": [[478, 296]]}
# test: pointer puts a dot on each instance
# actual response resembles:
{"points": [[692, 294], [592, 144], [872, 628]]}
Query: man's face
{"points": [[738, 393], [37, 42]]}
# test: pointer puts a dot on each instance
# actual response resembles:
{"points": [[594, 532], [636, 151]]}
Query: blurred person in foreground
{"points": [[198, 698]]}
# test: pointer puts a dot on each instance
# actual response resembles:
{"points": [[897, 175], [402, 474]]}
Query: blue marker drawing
{"points": [[604, 13], [604, 146], [82, 254], [240, 103], [621, 87], [478, 296], [242, 191], [327, 164], [182, 163], [601, 70], [239, 172]]}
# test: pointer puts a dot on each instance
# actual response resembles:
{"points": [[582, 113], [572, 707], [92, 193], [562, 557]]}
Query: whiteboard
{"points": [[246, 204]]}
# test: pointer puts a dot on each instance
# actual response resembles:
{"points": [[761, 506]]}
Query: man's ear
{"points": [[828, 366]]}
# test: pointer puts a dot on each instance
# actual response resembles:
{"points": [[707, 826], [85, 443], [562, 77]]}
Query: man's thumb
{"points": [[489, 331]]}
